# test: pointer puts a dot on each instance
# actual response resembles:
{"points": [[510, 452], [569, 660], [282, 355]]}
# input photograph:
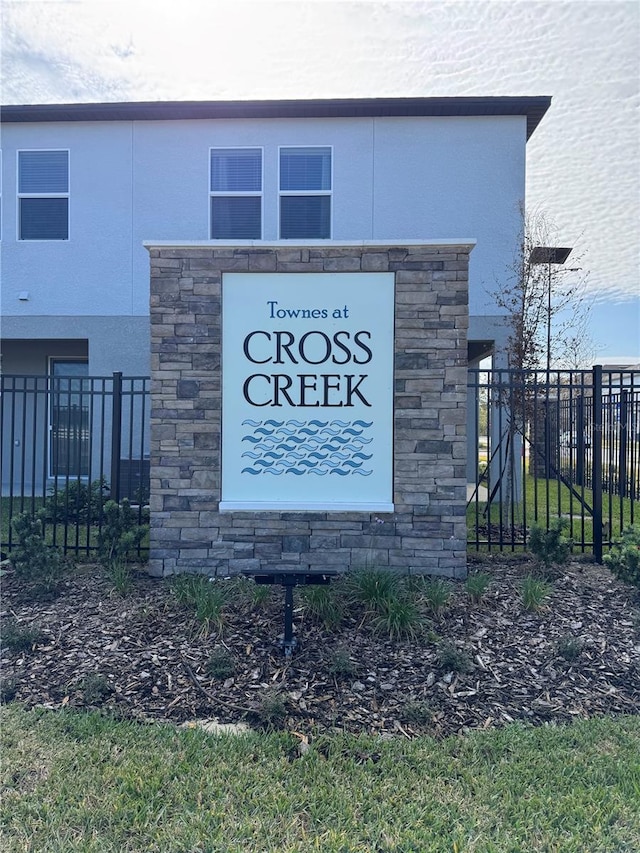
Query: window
{"points": [[43, 195], [236, 193], [69, 418], [305, 193]]}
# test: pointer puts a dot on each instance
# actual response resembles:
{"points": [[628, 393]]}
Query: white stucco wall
{"points": [[419, 177]]}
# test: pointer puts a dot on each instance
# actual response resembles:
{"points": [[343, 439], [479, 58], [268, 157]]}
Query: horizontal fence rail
{"points": [[552, 444], [70, 444]]}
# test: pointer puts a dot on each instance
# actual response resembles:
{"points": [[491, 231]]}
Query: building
{"points": [[402, 188], [84, 185]]}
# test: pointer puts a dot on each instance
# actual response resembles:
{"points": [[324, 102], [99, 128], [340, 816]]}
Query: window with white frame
{"points": [[305, 192], [235, 189], [43, 195]]}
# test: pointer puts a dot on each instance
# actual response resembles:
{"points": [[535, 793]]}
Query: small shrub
{"points": [[8, 689], [436, 594], [549, 547], [341, 663], [624, 558], [534, 591], [221, 663], [453, 659], [400, 618], [322, 605], [20, 638], [271, 709], [38, 564], [120, 534], [418, 711], [206, 597], [570, 648], [77, 501], [95, 689], [476, 586]]}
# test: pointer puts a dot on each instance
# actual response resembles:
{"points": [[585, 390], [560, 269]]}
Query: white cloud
{"points": [[583, 163]]}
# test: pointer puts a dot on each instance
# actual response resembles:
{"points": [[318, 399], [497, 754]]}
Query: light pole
{"points": [[549, 255]]}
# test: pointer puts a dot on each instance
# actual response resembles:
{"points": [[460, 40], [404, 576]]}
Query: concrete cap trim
{"points": [[307, 244]]}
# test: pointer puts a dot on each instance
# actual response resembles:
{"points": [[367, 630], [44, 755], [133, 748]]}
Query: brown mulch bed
{"points": [[141, 656]]}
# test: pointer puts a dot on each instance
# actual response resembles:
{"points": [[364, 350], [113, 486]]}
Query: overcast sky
{"points": [[583, 163]]}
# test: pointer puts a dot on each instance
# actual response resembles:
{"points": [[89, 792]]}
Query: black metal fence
{"points": [[69, 444], [547, 445], [542, 445]]}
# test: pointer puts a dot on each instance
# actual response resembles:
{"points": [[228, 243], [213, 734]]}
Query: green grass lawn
{"points": [[84, 782]]}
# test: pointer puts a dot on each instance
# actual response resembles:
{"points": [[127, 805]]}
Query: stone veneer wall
{"points": [[427, 531]]}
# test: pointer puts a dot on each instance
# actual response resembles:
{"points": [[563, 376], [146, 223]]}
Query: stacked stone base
{"points": [[426, 533]]}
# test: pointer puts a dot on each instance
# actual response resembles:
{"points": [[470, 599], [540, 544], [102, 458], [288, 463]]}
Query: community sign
{"points": [[307, 394]]}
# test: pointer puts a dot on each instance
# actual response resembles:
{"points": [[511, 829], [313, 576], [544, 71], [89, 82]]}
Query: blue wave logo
{"points": [[307, 447]]}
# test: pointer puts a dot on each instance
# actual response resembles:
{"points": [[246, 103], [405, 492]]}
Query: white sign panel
{"points": [[307, 398]]}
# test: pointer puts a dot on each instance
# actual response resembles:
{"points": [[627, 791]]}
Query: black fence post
{"points": [[116, 436], [597, 462]]}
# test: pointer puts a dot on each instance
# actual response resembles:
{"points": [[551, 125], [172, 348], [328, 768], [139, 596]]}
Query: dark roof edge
{"points": [[533, 108]]}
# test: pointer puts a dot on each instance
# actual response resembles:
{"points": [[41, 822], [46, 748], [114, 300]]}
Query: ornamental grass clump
{"points": [[390, 602], [206, 597], [372, 588], [436, 594], [400, 618], [534, 591], [476, 586], [321, 604]]}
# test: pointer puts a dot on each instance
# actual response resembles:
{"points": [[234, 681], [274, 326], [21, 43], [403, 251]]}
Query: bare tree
{"points": [[548, 308], [579, 349], [547, 303]]}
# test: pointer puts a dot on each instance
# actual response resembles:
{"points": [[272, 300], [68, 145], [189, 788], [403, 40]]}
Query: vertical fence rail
{"points": [[68, 444], [558, 444], [596, 478], [116, 435]]}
